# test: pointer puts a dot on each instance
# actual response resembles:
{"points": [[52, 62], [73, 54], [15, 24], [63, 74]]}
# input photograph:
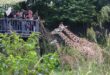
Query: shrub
{"points": [[91, 35], [18, 57]]}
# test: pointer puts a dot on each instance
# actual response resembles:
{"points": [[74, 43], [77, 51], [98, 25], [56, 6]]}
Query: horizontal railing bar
{"points": [[18, 19]]}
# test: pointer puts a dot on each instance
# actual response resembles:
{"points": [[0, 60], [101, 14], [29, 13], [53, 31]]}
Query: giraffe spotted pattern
{"points": [[89, 49]]}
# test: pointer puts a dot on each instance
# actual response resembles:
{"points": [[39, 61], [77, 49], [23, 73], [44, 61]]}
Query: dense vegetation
{"points": [[75, 11], [21, 57]]}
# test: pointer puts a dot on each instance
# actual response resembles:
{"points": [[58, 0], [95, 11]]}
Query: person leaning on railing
{"points": [[27, 24], [29, 15]]}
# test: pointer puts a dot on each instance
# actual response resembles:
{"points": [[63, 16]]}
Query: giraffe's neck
{"points": [[67, 40], [75, 38], [72, 36]]}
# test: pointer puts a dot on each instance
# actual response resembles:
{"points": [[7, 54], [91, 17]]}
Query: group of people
{"points": [[21, 14], [26, 25]]}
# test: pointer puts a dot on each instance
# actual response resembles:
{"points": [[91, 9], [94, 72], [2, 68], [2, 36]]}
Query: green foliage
{"points": [[17, 7], [2, 9], [18, 56], [107, 49], [60, 10], [81, 11], [1, 15], [104, 16], [14, 45], [87, 69], [49, 62], [91, 35], [69, 11]]}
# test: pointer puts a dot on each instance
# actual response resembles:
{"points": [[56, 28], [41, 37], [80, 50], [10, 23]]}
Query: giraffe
{"points": [[65, 38], [74, 41], [83, 42], [65, 58], [73, 37]]}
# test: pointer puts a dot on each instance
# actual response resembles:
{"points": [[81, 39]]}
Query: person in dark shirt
{"points": [[18, 16]]}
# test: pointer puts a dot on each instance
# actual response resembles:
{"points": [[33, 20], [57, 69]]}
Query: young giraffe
{"points": [[65, 38], [87, 51], [64, 58]]}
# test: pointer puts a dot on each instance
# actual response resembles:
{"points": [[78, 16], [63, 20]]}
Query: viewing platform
{"points": [[23, 27]]}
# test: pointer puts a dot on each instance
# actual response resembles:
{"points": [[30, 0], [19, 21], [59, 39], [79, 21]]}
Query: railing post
{"points": [[37, 26], [10, 25], [5, 25]]}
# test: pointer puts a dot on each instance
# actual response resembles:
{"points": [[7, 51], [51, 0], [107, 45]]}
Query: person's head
{"points": [[30, 12], [17, 12], [18, 15]]}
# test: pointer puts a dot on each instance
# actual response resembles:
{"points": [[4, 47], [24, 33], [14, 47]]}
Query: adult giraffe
{"points": [[88, 49]]}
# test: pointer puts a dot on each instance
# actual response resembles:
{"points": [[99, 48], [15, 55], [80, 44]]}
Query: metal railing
{"points": [[20, 26]]}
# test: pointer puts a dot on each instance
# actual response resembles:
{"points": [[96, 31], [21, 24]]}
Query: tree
{"points": [[81, 10], [104, 15], [74, 10]]}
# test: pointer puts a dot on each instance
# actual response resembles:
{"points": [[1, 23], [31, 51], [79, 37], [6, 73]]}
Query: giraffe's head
{"points": [[59, 29], [62, 27], [56, 31]]}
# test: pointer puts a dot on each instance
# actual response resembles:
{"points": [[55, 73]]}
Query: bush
{"points": [[18, 57], [91, 35], [49, 62]]}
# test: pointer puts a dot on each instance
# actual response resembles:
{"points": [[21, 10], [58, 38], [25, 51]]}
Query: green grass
{"points": [[86, 67], [86, 70]]}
